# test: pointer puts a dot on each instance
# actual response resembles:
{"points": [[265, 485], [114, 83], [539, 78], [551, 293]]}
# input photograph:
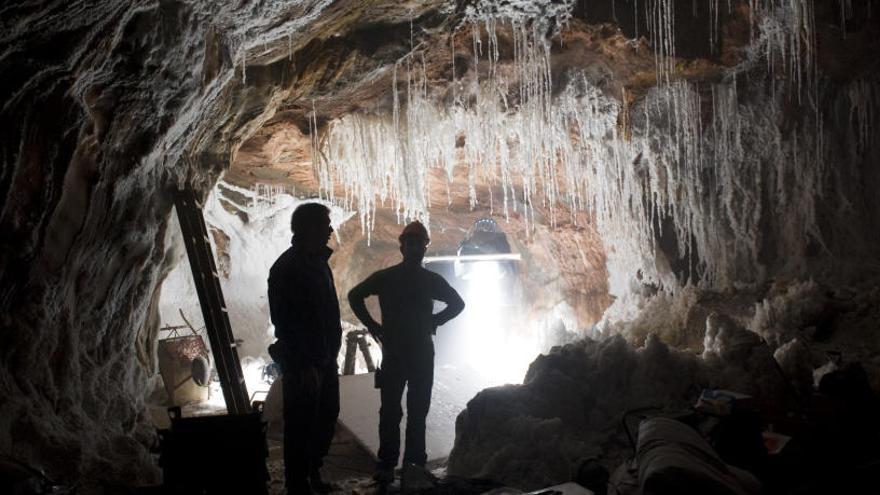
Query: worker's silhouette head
{"points": [[414, 242], [311, 228]]}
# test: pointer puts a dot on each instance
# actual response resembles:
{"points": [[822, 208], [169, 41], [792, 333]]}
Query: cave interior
{"points": [[642, 202]]}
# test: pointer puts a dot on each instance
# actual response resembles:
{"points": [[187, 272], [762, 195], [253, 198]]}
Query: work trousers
{"points": [[418, 378], [311, 407]]}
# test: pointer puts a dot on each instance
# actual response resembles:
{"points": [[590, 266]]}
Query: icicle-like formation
{"points": [[864, 99], [724, 175], [786, 34], [506, 141], [846, 12], [715, 21], [265, 196], [786, 28], [660, 15], [556, 12]]}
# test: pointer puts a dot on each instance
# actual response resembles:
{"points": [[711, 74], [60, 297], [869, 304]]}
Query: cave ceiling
{"points": [[354, 73], [348, 67], [351, 70]]}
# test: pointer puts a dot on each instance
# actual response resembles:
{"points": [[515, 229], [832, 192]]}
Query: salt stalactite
{"points": [[500, 145], [864, 99], [714, 21], [846, 12], [787, 26], [265, 196], [728, 186], [660, 15], [785, 30]]}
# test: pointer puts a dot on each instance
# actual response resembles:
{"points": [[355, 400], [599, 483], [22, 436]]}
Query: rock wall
{"points": [[107, 108]]}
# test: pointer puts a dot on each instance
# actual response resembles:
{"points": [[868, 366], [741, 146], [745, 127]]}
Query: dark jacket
{"points": [[406, 299], [304, 308]]}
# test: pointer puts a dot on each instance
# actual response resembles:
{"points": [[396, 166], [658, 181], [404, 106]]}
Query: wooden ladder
{"points": [[207, 281]]}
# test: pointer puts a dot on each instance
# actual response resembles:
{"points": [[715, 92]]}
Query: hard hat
{"points": [[415, 229]]}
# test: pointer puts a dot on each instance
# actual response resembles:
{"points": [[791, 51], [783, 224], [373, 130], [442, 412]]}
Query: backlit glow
{"points": [[493, 346]]}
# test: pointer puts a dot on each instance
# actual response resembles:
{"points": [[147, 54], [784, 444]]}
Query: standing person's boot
{"points": [[384, 474], [415, 478], [319, 485]]}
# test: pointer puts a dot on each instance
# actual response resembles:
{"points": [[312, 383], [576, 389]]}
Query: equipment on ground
{"points": [[221, 453], [215, 454], [354, 340]]}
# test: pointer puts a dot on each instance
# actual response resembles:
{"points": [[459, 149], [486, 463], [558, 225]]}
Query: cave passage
{"points": [[653, 209]]}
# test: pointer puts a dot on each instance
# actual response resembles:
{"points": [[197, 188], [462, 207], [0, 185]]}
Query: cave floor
{"points": [[350, 466], [347, 464]]}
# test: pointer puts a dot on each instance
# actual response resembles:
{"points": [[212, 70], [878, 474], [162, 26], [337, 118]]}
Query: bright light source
{"points": [[480, 272], [492, 345], [257, 387]]}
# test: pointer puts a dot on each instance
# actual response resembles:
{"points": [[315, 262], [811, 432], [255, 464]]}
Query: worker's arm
{"points": [[445, 293], [356, 298]]}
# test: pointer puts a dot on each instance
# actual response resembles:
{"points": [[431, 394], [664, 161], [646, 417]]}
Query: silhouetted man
{"points": [[406, 293], [305, 312]]}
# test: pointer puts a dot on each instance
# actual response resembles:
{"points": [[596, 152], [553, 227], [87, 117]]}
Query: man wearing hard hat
{"points": [[406, 292]]}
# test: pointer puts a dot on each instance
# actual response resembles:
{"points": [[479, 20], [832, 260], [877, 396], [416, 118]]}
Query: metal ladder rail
{"points": [[207, 282]]}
